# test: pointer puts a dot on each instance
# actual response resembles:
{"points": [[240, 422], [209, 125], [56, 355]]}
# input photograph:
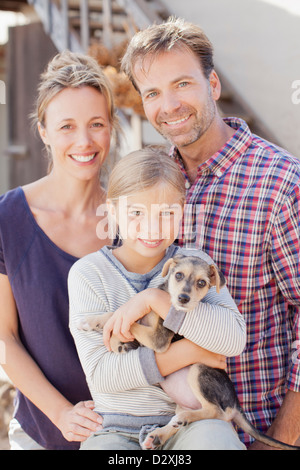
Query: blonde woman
{"points": [[45, 227], [146, 195]]}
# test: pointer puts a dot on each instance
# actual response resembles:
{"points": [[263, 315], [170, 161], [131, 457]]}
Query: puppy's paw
{"points": [[90, 323], [182, 419], [119, 347], [151, 442]]}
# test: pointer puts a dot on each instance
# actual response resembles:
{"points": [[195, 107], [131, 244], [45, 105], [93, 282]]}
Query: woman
{"points": [[45, 227]]}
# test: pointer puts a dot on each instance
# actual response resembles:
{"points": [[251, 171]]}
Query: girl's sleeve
{"points": [[105, 371], [215, 324]]}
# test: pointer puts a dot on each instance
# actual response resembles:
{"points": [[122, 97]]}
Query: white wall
{"points": [[257, 47]]}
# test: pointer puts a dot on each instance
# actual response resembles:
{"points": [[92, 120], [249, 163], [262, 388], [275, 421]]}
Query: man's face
{"points": [[179, 101]]}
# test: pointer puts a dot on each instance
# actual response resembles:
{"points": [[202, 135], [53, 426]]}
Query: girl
{"points": [[145, 199], [45, 227]]}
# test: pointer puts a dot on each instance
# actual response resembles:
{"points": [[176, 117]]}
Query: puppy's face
{"points": [[190, 279]]}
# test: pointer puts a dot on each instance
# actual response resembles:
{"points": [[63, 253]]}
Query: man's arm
{"points": [[286, 426]]}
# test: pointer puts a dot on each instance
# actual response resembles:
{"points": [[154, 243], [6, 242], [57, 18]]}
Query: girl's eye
{"points": [[66, 127], [135, 213], [179, 276], [167, 213], [201, 283], [97, 124]]}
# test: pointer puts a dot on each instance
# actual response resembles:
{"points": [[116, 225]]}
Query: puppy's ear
{"points": [[168, 264], [216, 278]]}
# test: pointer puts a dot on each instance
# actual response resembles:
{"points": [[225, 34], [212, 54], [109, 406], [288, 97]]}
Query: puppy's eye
{"points": [[201, 283], [179, 276]]}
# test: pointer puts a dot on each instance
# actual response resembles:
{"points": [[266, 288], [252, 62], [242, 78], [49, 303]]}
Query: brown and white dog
{"points": [[189, 280]]}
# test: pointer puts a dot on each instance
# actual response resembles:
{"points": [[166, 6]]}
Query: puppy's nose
{"points": [[183, 298]]}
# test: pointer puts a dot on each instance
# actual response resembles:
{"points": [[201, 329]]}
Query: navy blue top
{"points": [[38, 271]]}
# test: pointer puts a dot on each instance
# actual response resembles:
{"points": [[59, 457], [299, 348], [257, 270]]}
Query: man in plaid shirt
{"points": [[243, 206]]}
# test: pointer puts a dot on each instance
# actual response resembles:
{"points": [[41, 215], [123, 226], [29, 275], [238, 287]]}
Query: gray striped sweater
{"points": [[127, 386]]}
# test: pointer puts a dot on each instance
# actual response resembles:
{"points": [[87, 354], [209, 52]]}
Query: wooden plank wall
{"points": [[29, 50]]}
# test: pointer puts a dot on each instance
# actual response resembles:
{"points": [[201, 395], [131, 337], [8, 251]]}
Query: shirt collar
{"points": [[219, 163]]}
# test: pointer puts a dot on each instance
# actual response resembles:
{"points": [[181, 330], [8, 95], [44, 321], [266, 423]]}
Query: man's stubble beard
{"points": [[199, 128]]}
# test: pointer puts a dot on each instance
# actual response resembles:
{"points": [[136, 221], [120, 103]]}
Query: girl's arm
{"points": [[183, 353], [216, 324], [75, 422], [107, 372]]}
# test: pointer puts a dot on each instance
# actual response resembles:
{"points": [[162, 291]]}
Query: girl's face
{"points": [[78, 131], [149, 221]]}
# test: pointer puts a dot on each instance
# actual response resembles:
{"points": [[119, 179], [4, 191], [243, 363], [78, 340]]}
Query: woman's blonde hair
{"points": [[72, 70], [142, 170]]}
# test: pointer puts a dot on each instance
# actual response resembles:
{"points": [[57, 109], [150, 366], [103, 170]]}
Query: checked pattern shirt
{"points": [[243, 209]]}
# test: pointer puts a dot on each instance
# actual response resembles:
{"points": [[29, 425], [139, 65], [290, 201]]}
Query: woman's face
{"points": [[78, 131]]}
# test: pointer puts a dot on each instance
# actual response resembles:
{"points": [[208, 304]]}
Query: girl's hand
{"points": [[137, 307], [78, 422]]}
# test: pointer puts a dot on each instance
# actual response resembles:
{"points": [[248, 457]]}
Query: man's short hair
{"points": [[163, 37]]}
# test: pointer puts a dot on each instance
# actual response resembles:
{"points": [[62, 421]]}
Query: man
{"points": [[249, 193]]}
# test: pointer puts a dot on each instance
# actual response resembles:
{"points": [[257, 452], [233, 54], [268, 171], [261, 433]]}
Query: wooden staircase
{"points": [[76, 24], [88, 25]]}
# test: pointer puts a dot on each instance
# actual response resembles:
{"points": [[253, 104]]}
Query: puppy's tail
{"points": [[240, 419]]}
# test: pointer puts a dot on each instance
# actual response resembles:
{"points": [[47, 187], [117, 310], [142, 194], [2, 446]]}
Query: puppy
{"points": [[189, 280]]}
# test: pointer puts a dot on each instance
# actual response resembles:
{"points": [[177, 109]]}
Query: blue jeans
{"points": [[209, 434]]}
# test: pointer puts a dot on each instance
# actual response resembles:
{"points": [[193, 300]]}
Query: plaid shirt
{"points": [[243, 210]]}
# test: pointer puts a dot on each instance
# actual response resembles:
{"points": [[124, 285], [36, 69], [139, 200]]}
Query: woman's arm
{"points": [[75, 423]]}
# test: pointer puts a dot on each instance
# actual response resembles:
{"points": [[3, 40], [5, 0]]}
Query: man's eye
{"points": [[152, 94]]}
